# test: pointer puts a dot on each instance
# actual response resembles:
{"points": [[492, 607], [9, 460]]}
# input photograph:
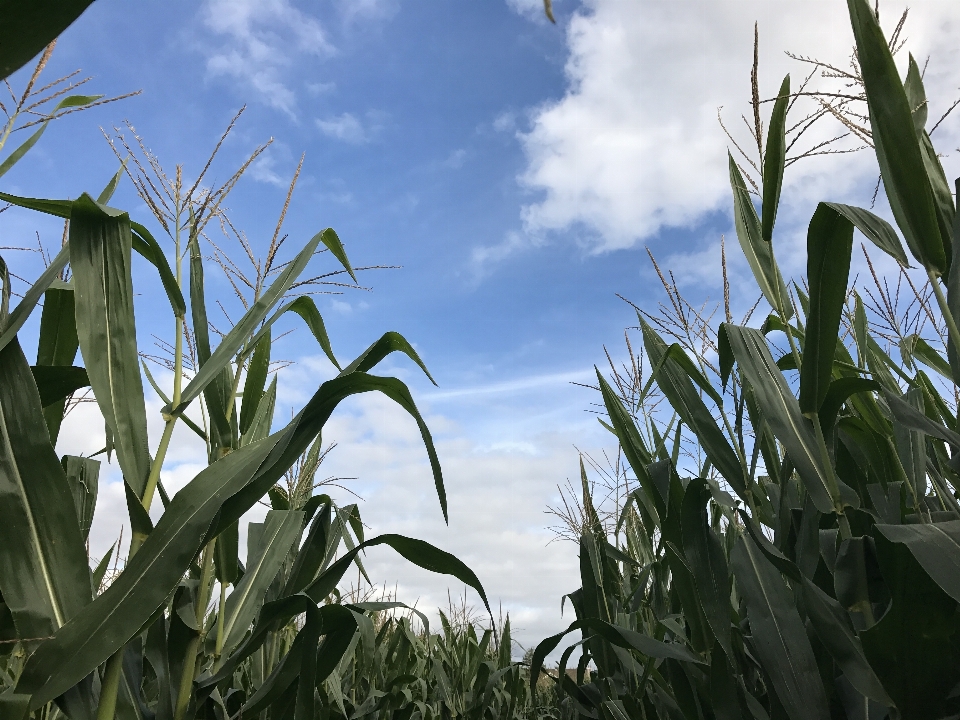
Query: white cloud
{"points": [[634, 144], [354, 10], [260, 40], [346, 127]]}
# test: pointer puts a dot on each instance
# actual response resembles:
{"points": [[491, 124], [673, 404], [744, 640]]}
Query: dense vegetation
{"points": [[788, 547]]}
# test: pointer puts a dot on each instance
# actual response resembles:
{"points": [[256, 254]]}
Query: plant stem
{"points": [[110, 686], [154, 476], [833, 486], [223, 602], [186, 679]]}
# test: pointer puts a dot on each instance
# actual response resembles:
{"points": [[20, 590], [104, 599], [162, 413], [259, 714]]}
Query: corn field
{"points": [[786, 545]]}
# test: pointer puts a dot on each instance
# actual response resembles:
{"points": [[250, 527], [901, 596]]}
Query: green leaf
{"points": [[14, 157], [30, 299], [779, 638], [203, 509], [832, 624], [263, 419], [894, 135], [330, 239], [57, 345], [281, 530], [256, 379], [707, 563], [218, 394], [913, 651], [953, 291], [774, 159], [306, 308], [912, 418], [44, 576], [875, 229], [841, 390], [829, 244], [920, 350], [632, 443], [759, 254], [83, 477], [29, 28], [782, 412], [99, 243], [420, 553], [226, 555], [145, 244], [936, 546], [55, 383], [111, 187], [389, 342], [616, 634], [675, 383], [238, 335]]}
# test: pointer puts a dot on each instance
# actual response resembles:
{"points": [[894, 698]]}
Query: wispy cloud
{"points": [[352, 129], [259, 43], [344, 127], [517, 385]]}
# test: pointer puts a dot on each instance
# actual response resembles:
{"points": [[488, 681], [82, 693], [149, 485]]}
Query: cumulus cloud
{"points": [[634, 144], [259, 41]]}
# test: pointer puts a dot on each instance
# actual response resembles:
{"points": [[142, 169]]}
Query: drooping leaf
{"points": [[875, 229], [100, 242], [306, 308], [144, 243], [217, 497]]}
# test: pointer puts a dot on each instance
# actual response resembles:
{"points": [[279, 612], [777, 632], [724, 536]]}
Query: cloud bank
{"points": [[634, 144]]}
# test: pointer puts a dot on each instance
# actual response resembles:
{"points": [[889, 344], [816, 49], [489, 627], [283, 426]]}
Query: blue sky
{"points": [[516, 170]]}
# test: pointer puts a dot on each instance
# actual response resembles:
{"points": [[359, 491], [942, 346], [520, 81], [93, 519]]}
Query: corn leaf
{"points": [[100, 242], [829, 245], [779, 638], [44, 576], [759, 254], [901, 161], [773, 161]]}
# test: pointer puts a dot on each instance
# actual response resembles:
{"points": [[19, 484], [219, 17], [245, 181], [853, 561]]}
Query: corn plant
{"points": [[791, 543], [154, 642]]}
